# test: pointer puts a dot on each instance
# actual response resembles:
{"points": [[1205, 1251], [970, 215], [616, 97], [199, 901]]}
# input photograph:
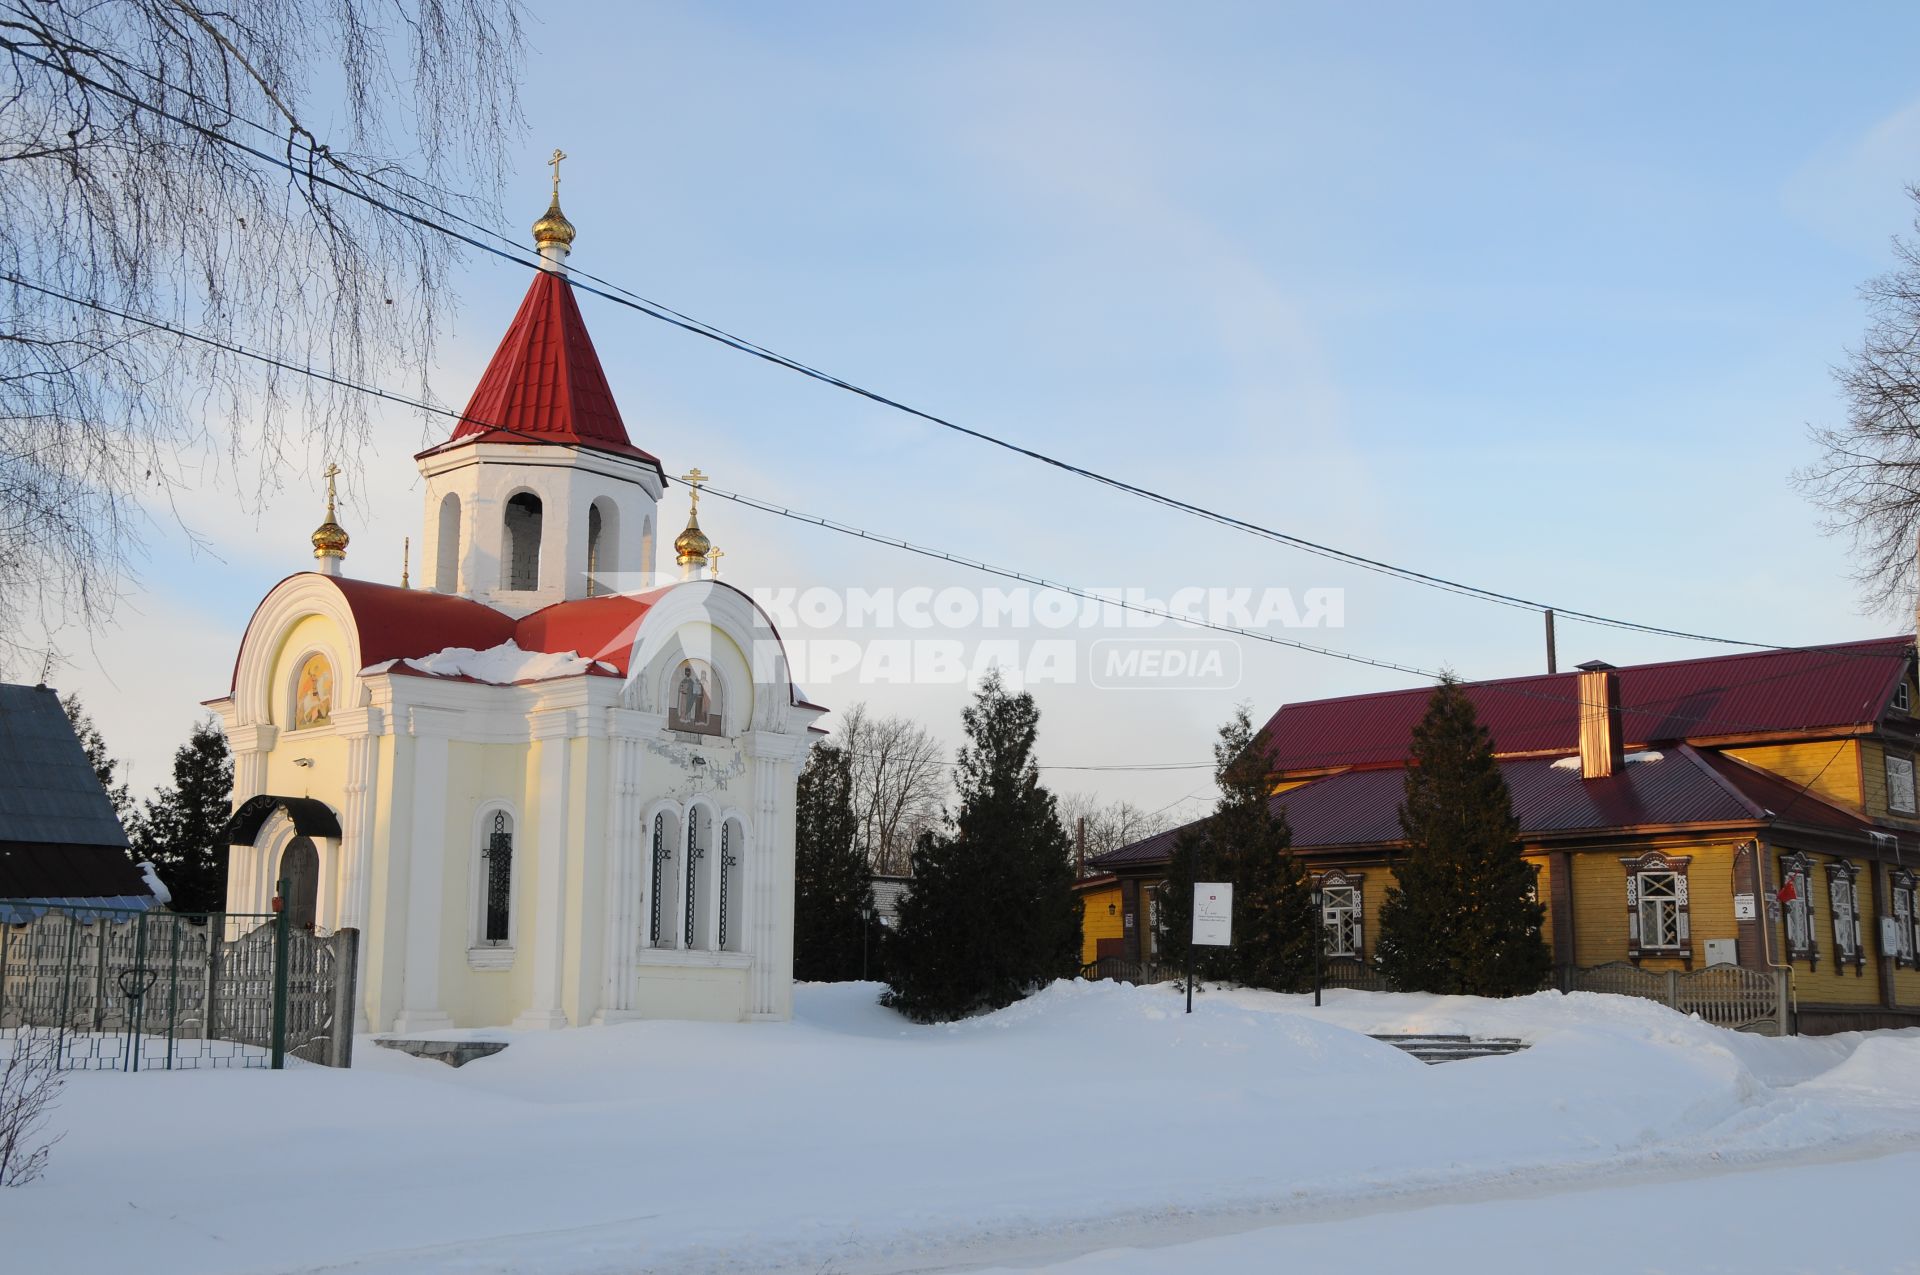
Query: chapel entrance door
{"points": [[300, 869]]}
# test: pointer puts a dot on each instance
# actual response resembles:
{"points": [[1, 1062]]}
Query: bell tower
{"points": [[540, 496]]}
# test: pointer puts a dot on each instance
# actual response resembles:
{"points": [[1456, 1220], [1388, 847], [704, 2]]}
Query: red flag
{"points": [[1787, 892]]}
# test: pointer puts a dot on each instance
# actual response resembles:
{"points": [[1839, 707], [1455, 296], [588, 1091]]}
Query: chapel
{"points": [[547, 786]]}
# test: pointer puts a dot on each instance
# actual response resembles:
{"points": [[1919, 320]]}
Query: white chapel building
{"points": [[544, 797]]}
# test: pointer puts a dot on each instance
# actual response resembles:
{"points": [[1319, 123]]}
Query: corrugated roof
{"points": [[48, 791], [545, 383], [1805, 689], [1677, 787]]}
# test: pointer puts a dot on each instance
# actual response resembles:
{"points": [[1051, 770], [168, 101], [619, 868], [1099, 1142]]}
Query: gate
{"points": [[1724, 995], [130, 991]]}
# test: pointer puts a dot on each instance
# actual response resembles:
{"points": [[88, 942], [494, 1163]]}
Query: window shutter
{"points": [[1359, 924], [1683, 925], [1633, 914]]}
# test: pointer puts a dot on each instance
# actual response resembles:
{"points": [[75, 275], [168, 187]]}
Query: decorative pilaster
{"points": [[553, 731], [426, 870], [769, 912], [623, 892]]}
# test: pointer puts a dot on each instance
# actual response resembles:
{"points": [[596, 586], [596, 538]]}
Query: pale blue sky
{"points": [[1539, 297]]}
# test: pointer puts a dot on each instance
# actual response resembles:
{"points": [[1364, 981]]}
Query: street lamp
{"points": [[866, 930], [1319, 943]]}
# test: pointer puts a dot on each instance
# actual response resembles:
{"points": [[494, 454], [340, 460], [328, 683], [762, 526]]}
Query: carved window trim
{"points": [[1343, 923], [1900, 784], [1843, 903], [1658, 879], [1798, 869], [1901, 899]]}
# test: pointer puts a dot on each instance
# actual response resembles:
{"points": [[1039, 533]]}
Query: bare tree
{"points": [[30, 1081], [1868, 476], [899, 780], [128, 192], [1109, 825]]}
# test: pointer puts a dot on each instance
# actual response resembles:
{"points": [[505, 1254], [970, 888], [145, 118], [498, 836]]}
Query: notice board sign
{"points": [[1213, 913]]}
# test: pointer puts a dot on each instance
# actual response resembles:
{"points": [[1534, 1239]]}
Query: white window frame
{"points": [[1900, 793], [1660, 895], [1901, 897], [1342, 922], [1798, 869], [1843, 901]]}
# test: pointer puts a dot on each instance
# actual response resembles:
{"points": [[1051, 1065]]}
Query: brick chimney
{"points": [[1602, 749]]}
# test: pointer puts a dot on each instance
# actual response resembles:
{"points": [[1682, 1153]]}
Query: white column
{"points": [[356, 830], [622, 901], [769, 914], [426, 872], [553, 730], [250, 746]]}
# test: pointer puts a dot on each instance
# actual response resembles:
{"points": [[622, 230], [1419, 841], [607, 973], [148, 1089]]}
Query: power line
{"points": [[622, 296]]}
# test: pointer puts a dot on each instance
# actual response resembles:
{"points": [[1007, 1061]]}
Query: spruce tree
{"points": [[1245, 840], [832, 892], [992, 915], [1460, 917], [182, 828], [105, 766]]}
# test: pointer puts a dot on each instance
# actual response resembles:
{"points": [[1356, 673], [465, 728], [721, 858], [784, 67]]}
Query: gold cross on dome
{"points": [[558, 155], [332, 472], [713, 560], [693, 478]]}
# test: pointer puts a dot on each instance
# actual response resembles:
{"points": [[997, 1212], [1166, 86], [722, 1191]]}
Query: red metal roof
{"points": [[1803, 689], [1683, 786], [599, 628], [545, 383], [398, 624]]}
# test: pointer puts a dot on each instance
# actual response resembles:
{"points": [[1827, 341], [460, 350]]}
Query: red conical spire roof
{"points": [[544, 384]]}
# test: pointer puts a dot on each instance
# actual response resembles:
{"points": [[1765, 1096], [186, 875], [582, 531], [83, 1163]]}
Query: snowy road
{"points": [[1088, 1119]]}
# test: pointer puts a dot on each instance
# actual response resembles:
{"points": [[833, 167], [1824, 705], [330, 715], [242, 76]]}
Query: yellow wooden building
{"points": [[1753, 810]]}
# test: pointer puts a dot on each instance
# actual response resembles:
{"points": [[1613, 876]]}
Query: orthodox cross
{"points": [[713, 560], [332, 472], [693, 478], [558, 155], [406, 553]]}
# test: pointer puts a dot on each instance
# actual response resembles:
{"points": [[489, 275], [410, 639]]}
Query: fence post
{"points": [[216, 955], [1673, 989], [1781, 1010], [346, 978], [280, 935]]}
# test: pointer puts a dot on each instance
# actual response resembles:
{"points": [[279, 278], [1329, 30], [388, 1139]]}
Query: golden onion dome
{"points": [[692, 544], [553, 227], [330, 538]]}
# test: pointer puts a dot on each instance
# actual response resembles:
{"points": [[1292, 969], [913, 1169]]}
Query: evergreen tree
{"points": [[1461, 917], [105, 765], [181, 830], [832, 892], [992, 915], [1245, 840]]}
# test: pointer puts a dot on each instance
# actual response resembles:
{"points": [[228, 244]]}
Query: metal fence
{"points": [[1724, 995], [133, 991], [1124, 970]]}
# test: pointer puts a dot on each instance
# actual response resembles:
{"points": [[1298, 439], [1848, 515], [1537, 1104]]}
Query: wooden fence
{"points": [[1724, 995]]}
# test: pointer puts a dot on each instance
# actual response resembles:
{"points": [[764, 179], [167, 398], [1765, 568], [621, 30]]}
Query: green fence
{"points": [[141, 991]]}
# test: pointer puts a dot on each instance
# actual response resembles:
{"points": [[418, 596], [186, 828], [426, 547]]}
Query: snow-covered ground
{"points": [[1093, 1127]]}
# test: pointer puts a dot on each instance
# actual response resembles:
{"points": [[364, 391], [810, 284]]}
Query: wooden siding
{"points": [[1600, 901], [1831, 767], [1095, 924]]}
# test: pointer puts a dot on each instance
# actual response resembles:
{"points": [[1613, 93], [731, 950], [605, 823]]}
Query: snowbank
{"points": [[851, 1139]]}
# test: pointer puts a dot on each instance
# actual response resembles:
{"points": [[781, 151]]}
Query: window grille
{"points": [[727, 864], [498, 853], [660, 854], [695, 853], [1659, 910]]}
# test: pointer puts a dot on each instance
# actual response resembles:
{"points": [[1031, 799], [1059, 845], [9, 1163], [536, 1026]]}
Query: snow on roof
{"points": [[501, 665]]}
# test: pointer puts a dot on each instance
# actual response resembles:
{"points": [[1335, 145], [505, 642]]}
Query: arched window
{"points": [[698, 896], [603, 539], [520, 556], [696, 699], [733, 853], [493, 897], [298, 882], [663, 894], [446, 568]]}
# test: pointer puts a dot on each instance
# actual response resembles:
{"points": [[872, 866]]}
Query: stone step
{"points": [[454, 1053], [1452, 1048]]}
